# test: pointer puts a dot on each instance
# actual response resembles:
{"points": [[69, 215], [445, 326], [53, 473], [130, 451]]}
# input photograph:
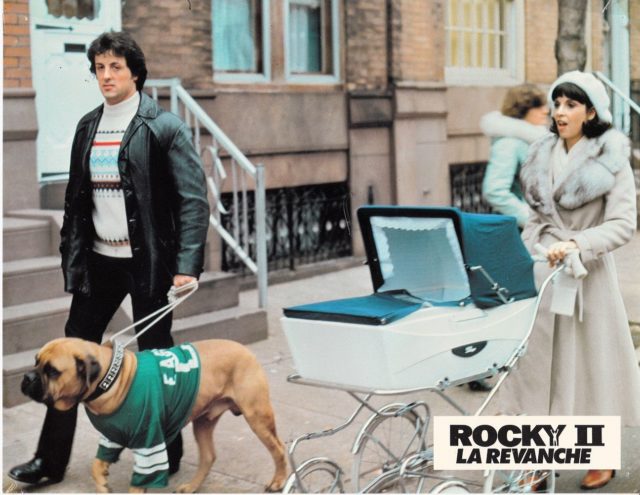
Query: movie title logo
{"points": [[525, 442]]}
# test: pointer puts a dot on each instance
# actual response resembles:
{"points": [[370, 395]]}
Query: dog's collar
{"points": [[112, 373]]}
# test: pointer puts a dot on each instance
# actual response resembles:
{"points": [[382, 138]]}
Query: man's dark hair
{"points": [[122, 45], [591, 128]]}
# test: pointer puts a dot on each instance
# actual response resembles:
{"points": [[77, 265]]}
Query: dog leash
{"points": [[175, 299]]}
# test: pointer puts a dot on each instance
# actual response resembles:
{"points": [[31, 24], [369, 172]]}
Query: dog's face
{"points": [[63, 374]]}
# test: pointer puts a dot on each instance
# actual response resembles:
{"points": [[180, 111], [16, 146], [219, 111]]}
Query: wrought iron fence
{"points": [[304, 225], [466, 187]]}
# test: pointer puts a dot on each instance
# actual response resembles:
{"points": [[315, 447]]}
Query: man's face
{"points": [[115, 79]]}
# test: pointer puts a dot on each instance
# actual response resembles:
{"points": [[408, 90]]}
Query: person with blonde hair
{"points": [[522, 119]]}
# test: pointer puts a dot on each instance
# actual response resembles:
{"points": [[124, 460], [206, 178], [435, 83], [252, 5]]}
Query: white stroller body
{"points": [[430, 332], [435, 347], [454, 301]]}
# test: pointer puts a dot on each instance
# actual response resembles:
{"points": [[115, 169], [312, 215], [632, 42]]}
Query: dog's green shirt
{"points": [[156, 408]]}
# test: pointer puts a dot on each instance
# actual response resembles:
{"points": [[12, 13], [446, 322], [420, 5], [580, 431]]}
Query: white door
{"points": [[61, 32]]}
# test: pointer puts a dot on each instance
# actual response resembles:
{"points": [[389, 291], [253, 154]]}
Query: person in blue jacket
{"points": [[522, 119]]}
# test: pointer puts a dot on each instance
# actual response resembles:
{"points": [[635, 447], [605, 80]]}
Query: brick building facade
{"points": [[17, 46], [389, 118], [634, 39]]}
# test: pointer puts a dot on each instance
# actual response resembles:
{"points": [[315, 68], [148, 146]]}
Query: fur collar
{"points": [[593, 176], [496, 125]]}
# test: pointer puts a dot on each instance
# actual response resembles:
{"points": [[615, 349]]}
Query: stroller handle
{"points": [[572, 263]]}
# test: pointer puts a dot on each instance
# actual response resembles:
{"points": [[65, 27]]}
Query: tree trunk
{"points": [[571, 50]]}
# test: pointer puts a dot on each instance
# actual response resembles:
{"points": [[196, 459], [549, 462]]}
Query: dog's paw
{"points": [[186, 488], [274, 487], [103, 489]]}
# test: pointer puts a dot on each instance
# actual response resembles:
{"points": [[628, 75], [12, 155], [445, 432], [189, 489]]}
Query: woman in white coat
{"points": [[580, 187]]}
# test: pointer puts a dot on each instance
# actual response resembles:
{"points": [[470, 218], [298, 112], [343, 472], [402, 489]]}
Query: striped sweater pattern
{"points": [[109, 212]]}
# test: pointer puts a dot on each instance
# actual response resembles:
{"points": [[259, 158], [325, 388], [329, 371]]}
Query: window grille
{"points": [[305, 225], [466, 187]]}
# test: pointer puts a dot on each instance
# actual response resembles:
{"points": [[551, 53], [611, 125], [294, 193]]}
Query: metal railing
{"points": [[624, 124], [224, 157]]}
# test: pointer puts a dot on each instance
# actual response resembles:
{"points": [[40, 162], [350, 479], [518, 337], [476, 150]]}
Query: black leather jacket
{"points": [[165, 199]]}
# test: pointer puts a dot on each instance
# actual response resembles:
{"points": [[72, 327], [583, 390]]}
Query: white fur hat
{"points": [[592, 86]]}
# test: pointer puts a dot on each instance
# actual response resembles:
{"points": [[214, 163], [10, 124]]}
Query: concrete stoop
{"points": [[36, 308], [31, 279], [25, 238]]}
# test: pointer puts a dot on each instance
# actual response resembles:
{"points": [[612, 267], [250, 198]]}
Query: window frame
{"points": [[313, 78], [513, 73], [221, 76]]}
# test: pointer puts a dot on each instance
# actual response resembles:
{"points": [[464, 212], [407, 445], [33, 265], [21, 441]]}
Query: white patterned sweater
{"points": [[109, 214]]}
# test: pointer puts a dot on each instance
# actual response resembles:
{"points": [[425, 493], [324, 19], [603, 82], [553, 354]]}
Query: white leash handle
{"points": [[175, 299], [572, 262]]}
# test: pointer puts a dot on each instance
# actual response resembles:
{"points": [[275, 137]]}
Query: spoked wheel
{"points": [[452, 486], [385, 441], [527, 481], [317, 475], [416, 476], [411, 481]]}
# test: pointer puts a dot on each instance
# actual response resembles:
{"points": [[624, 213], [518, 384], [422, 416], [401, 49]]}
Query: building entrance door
{"points": [[61, 31]]}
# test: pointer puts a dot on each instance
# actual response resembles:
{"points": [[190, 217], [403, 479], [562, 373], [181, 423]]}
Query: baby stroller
{"points": [[454, 301]]}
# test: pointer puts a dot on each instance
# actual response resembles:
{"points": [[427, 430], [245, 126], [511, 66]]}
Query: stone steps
{"points": [[25, 238], [31, 325], [216, 290], [244, 325], [32, 279], [54, 217], [211, 312]]}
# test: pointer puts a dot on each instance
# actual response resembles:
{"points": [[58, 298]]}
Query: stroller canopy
{"points": [[431, 256], [429, 252]]}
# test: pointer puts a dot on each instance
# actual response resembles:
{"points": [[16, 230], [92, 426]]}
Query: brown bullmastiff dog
{"points": [[69, 371]]}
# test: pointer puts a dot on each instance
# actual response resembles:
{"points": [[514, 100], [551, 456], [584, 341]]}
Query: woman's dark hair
{"points": [[120, 44], [591, 128], [520, 99]]}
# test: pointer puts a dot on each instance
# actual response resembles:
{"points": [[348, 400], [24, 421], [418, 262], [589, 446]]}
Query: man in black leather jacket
{"points": [[135, 222]]}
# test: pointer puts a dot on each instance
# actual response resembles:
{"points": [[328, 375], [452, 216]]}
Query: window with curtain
{"points": [[237, 35], [310, 36], [481, 35]]}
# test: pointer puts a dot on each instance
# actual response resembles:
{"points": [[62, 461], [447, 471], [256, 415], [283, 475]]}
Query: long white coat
{"points": [[575, 367]]}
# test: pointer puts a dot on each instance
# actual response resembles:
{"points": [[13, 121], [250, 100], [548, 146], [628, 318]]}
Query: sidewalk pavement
{"points": [[243, 464]]}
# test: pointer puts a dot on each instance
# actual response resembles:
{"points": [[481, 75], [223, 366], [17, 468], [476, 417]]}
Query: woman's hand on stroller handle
{"points": [[566, 253]]}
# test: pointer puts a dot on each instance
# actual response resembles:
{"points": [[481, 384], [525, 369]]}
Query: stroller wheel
{"points": [[316, 475], [386, 441], [528, 481]]}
